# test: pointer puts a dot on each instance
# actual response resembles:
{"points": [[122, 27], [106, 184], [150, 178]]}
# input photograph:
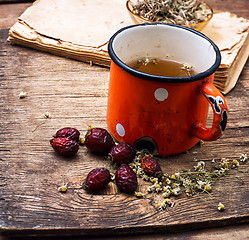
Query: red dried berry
{"points": [[126, 179], [122, 153], [151, 166], [69, 132], [98, 141], [65, 146], [97, 179]]}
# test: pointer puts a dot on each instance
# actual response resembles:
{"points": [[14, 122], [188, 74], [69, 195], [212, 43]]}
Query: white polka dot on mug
{"points": [[120, 129], [161, 94]]}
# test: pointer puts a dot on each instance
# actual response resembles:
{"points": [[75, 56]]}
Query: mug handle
{"points": [[219, 106]]}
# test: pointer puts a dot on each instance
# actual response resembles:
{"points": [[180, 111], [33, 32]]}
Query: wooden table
{"points": [[74, 94]]}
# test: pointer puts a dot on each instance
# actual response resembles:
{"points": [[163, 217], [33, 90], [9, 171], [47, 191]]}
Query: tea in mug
{"points": [[162, 67]]}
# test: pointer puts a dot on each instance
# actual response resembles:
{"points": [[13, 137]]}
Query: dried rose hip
{"points": [[97, 179], [122, 153], [126, 179], [69, 132], [65, 146], [151, 166], [98, 141]]}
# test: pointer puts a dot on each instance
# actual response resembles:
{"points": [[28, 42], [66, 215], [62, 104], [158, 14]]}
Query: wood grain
{"points": [[10, 12], [239, 8], [74, 94], [15, 1]]}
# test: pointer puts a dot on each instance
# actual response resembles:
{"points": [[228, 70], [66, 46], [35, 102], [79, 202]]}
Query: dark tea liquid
{"points": [[162, 67]]}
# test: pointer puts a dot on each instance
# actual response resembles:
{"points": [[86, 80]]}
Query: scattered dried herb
{"points": [[221, 207], [22, 94], [162, 67], [188, 181], [63, 188]]}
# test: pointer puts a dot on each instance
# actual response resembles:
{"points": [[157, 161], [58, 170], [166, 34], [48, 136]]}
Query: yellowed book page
{"points": [[81, 22], [229, 33]]}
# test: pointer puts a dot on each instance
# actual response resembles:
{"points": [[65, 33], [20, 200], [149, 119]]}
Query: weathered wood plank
{"points": [[240, 7], [14, 1], [74, 94], [10, 12]]}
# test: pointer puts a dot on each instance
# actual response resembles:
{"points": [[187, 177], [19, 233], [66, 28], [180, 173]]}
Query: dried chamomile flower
{"points": [[165, 175], [138, 165], [221, 171], [166, 203], [177, 175], [167, 188], [82, 141], [140, 172], [201, 143], [168, 181], [189, 192], [243, 157], [169, 202], [166, 194], [235, 164], [150, 189], [162, 177], [90, 127], [154, 188], [173, 177], [139, 194], [207, 187], [200, 184], [62, 188], [187, 183], [22, 94], [132, 165], [221, 207], [224, 163], [200, 166], [112, 176], [176, 191], [145, 177], [46, 115], [186, 67], [154, 180], [158, 187], [161, 206], [175, 185]]}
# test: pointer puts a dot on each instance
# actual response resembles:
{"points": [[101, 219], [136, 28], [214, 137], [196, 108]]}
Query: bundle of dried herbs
{"points": [[180, 12]]}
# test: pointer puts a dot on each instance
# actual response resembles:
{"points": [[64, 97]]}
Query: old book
{"points": [[231, 34], [80, 29]]}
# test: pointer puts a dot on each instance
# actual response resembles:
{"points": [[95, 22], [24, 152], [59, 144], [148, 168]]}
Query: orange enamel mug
{"points": [[166, 115]]}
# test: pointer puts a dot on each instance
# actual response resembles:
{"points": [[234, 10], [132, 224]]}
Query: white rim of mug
{"points": [[158, 78]]}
